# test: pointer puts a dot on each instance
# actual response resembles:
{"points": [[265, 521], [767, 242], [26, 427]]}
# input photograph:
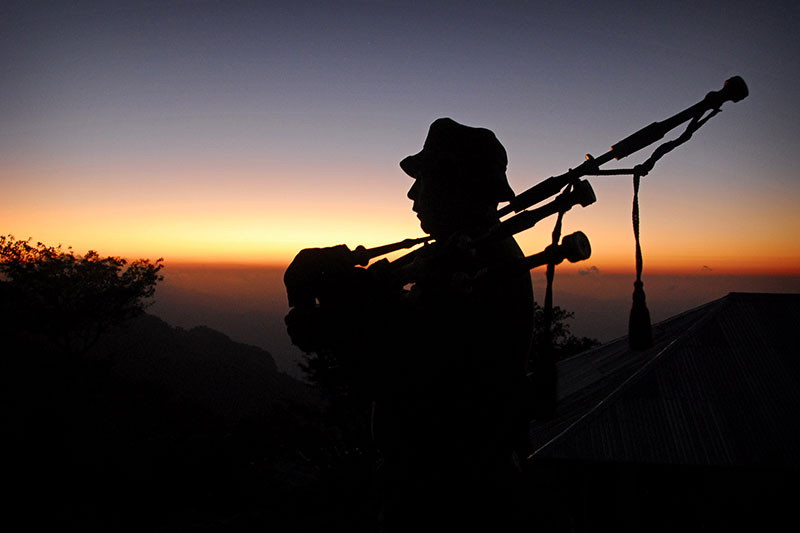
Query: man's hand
{"points": [[305, 274], [306, 328]]}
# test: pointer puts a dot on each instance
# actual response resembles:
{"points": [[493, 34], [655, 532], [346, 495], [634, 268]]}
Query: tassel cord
{"points": [[635, 218], [644, 168]]}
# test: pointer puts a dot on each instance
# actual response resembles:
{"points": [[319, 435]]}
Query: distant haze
{"points": [[248, 303]]}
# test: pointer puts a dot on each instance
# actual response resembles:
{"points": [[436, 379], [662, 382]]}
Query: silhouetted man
{"points": [[445, 358]]}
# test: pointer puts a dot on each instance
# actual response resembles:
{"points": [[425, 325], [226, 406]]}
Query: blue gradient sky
{"points": [[244, 131]]}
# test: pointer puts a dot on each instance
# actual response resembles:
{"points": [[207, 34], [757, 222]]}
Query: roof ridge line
{"points": [[646, 366], [664, 321]]}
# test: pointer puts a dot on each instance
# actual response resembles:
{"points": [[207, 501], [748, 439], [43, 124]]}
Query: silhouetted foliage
{"points": [[565, 344], [346, 456], [154, 427], [71, 299]]}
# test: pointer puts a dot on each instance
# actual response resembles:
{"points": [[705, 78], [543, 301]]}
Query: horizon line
{"points": [[587, 271]]}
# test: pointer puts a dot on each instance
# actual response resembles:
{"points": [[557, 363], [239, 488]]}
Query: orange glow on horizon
{"points": [[274, 236], [185, 214]]}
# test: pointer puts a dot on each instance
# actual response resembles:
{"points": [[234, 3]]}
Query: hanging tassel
{"points": [[544, 375], [640, 332]]}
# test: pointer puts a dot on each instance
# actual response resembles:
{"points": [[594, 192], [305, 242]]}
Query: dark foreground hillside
{"points": [[162, 429]]}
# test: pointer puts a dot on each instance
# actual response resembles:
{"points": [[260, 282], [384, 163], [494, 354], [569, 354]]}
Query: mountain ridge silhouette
{"points": [[202, 366]]}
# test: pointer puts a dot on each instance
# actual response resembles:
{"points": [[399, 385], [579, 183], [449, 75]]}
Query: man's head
{"points": [[460, 176]]}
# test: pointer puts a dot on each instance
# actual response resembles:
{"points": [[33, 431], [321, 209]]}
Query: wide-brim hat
{"points": [[476, 152]]}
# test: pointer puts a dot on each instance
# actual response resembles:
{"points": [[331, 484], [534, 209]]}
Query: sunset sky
{"points": [[244, 131]]}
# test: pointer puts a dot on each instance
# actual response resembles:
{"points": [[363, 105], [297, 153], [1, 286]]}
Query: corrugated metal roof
{"points": [[720, 386]]}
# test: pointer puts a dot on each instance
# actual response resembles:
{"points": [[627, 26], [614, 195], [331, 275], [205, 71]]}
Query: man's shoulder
{"points": [[503, 249]]}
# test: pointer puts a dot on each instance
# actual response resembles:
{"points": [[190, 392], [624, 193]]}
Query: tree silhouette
{"points": [[565, 343], [68, 299]]}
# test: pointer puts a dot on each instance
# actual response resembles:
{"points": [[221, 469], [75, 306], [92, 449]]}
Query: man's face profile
{"points": [[459, 178], [442, 202], [434, 201]]}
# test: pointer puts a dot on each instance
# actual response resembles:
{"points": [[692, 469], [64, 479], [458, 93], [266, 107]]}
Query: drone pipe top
{"points": [[734, 90]]}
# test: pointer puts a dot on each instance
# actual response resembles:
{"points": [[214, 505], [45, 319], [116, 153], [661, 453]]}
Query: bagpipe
{"points": [[569, 190]]}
